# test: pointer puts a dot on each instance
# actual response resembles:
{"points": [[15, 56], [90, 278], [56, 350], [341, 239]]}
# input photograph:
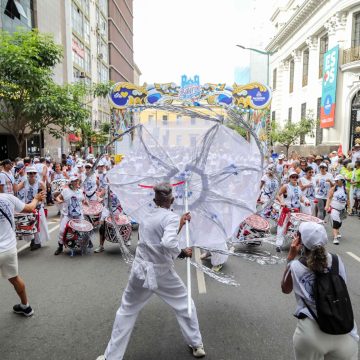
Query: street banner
{"points": [[328, 97]]}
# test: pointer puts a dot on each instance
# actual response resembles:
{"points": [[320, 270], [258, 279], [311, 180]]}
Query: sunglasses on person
{"points": [[294, 177], [87, 167], [31, 173], [310, 172]]}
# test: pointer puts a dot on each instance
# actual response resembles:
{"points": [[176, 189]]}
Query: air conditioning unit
{"points": [[100, 56]]}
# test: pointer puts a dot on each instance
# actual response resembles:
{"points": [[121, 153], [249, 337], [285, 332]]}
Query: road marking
{"points": [[353, 256], [54, 228], [27, 244], [199, 274]]}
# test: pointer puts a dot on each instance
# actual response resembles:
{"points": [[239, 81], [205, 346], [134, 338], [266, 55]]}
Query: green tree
{"points": [[291, 132], [30, 100]]}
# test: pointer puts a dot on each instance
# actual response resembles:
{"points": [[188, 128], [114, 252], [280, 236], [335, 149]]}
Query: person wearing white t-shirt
{"points": [[309, 341], [323, 181], [355, 154], [9, 204], [72, 197], [7, 180], [307, 186]]}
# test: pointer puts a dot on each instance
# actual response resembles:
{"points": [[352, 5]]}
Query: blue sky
{"points": [[175, 37]]}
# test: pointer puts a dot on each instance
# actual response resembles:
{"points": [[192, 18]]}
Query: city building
{"points": [[305, 31], [121, 51]]}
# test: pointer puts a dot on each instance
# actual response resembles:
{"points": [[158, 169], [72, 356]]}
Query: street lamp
{"points": [[267, 53]]}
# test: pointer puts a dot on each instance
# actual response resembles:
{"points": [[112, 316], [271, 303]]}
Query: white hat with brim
{"points": [[323, 165], [292, 173], [281, 157], [88, 164], [339, 177], [36, 160], [73, 178], [312, 234], [31, 169]]}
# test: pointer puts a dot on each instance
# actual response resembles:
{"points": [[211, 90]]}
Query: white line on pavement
{"points": [[27, 244], [353, 256], [199, 274]]}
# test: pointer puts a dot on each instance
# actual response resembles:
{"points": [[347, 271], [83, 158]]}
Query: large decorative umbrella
{"points": [[215, 174]]}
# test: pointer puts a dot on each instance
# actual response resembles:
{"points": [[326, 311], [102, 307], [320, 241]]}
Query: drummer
{"points": [[116, 210], [290, 198], [307, 186], [90, 184], [101, 178], [20, 176], [31, 186], [268, 186], [72, 197], [58, 174]]}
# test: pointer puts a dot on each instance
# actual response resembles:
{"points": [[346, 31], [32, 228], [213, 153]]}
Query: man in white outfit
{"points": [[153, 273]]}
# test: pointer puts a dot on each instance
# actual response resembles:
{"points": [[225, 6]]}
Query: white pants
{"points": [[310, 343], [172, 290]]}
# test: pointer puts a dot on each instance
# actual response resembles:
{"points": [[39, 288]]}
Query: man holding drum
{"points": [[9, 204], [72, 197]]}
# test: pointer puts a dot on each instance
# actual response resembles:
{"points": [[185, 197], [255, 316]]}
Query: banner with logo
{"points": [[328, 97]]}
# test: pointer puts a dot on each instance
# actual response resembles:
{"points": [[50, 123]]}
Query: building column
{"points": [[312, 43], [296, 54], [283, 97]]}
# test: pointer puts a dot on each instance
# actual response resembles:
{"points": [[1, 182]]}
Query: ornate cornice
{"points": [[303, 13], [312, 42], [285, 64], [296, 54]]}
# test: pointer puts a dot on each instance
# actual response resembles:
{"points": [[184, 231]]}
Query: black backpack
{"points": [[334, 311]]}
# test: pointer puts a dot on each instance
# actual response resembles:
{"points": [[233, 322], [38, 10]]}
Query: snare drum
{"points": [[124, 225], [93, 212], [252, 229], [26, 224], [77, 233]]}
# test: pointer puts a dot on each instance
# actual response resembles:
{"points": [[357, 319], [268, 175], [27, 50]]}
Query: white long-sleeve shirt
{"points": [[158, 246]]}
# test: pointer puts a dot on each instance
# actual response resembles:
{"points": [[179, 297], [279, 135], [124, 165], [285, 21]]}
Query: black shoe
{"points": [[278, 249], [35, 247], [59, 250], [58, 213], [90, 245], [32, 243], [26, 312]]}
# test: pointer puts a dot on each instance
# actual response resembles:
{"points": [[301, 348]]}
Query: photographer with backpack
{"points": [[326, 327]]}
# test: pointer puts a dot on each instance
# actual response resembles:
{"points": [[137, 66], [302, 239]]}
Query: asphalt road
{"points": [[75, 300]]}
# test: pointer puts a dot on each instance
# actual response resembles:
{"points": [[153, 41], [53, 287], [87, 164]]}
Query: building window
{"points": [[305, 67], [292, 70], [87, 60], [16, 14], [78, 52], [274, 78], [290, 115], [87, 31], [324, 47], [165, 119], [356, 30], [273, 116], [319, 130], [77, 20], [302, 116]]}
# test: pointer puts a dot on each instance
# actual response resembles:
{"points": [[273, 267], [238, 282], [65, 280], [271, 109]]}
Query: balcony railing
{"points": [[351, 55]]}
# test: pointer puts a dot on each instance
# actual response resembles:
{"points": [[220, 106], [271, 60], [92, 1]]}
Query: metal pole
{"points": [[268, 69], [188, 270]]}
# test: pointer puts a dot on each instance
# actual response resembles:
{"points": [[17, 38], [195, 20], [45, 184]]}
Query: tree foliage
{"points": [[30, 100], [291, 132]]}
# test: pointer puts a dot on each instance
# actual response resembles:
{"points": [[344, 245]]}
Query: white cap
{"points": [[100, 163], [339, 177], [270, 168], [323, 164], [312, 234], [281, 156], [88, 164], [79, 164], [31, 169], [36, 160], [334, 152], [73, 178]]}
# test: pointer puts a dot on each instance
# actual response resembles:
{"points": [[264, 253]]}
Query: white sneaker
{"points": [[336, 241], [198, 351], [339, 236], [99, 249], [101, 357]]}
